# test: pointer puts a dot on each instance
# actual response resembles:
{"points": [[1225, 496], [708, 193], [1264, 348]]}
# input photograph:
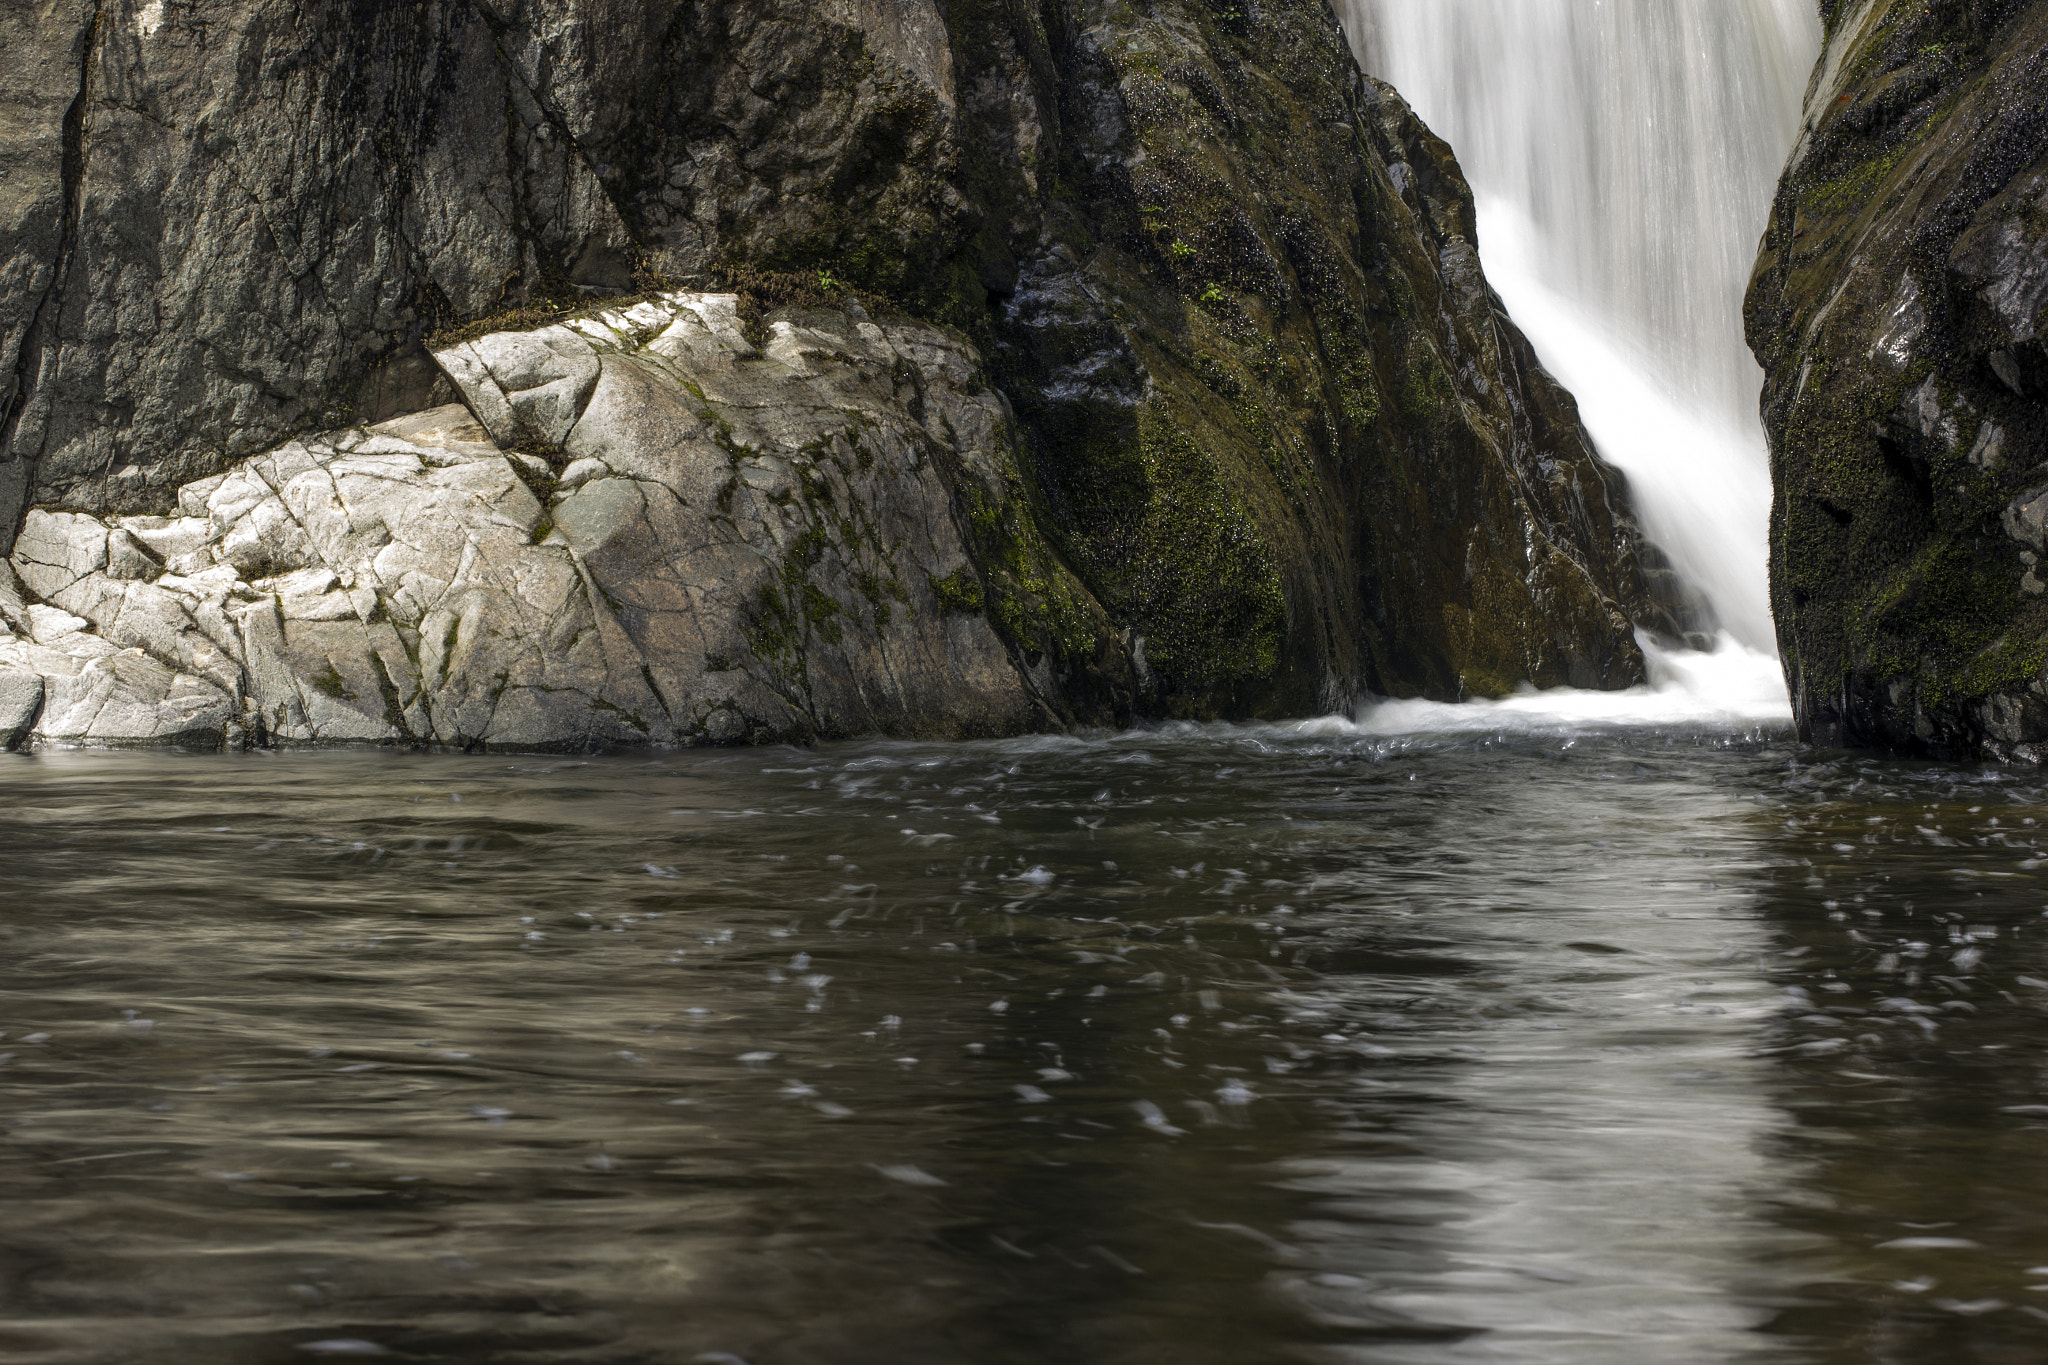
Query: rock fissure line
{"points": [[29, 360]]}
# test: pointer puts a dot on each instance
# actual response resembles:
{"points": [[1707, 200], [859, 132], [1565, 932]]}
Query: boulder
{"points": [[1897, 309], [757, 542]]}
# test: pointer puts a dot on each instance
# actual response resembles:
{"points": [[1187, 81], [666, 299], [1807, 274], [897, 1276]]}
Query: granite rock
{"points": [[677, 536]]}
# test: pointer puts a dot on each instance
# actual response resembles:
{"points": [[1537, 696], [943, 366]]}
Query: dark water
{"points": [[1213, 1045]]}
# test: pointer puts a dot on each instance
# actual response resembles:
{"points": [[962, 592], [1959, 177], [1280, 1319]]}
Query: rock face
{"points": [[1898, 310], [967, 368], [660, 533]]}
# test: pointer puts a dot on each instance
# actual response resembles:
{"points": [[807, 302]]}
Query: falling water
{"points": [[1623, 154]]}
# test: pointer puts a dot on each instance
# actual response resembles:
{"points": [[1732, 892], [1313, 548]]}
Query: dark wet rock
{"points": [[21, 701], [1281, 424], [1250, 435], [1898, 310]]}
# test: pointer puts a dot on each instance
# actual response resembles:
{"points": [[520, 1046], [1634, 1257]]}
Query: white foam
{"points": [[1735, 688]]}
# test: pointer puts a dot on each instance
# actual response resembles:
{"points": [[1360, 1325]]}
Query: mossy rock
{"points": [[1903, 395]]}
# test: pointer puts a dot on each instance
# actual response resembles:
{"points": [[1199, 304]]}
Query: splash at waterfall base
{"points": [[1898, 308]]}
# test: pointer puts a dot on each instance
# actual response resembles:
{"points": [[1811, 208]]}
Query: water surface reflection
{"points": [[1199, 1045]]}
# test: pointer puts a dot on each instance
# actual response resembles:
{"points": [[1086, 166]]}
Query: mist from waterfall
{"points": [[1623, 154]]}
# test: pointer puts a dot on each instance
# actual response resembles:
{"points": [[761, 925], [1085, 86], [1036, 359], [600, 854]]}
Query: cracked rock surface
{"points": [[661, 533], [1899, 309]]}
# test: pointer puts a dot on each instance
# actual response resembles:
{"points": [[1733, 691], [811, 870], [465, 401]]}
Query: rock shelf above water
{"points": [[715, 542]]}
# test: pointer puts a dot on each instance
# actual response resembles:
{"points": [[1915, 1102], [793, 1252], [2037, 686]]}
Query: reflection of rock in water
{"points": [[1343, 1062], [1905, 908]]}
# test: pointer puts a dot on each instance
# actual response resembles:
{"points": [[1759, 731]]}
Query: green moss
{"points": [[1358, 393], [449, 639], [883, 597], [819, 611], [631, 718], [839, 543], [328, 682], [2004, 665], [959, 593], [394, 702], [1204, 572], [1426, 389]]}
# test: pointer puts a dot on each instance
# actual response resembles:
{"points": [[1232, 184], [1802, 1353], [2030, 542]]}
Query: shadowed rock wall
{"points": [[1274, 442], [1897, 309]]}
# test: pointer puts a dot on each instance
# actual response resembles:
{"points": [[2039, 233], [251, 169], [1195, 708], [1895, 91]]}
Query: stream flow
{"points": [[1555, 1043]]}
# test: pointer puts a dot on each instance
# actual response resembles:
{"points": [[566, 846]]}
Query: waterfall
{"points": [[1623, 154]]}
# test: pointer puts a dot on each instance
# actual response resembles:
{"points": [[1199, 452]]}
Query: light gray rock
{"points": [[87, 689], [769, 523], [171, 539], [129, 698], [13, 611], [525, 386], [752, 547], [48, 625], [56, 551], [21, 701]]}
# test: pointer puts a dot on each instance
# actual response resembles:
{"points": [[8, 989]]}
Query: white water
{"points": [[1734, 688], [1623, 154]]}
